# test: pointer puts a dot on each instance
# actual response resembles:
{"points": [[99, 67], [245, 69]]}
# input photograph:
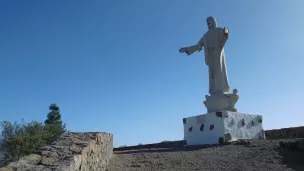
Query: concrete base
{"points": [[229, 126]]}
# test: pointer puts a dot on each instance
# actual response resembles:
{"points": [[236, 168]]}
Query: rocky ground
{"points": [[258, 155]]}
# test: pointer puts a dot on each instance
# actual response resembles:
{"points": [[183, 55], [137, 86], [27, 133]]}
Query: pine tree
{"points": [[54, 116], [53, 123]]}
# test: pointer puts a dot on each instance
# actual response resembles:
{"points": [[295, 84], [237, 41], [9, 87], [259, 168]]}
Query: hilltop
{"points": [[252, 155]]}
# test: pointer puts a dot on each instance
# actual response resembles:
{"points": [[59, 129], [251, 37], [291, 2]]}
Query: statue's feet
{"points": [[218, 102]]}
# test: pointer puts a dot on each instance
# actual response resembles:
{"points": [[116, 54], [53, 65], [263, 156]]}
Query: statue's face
{"points": [[211, 22]]}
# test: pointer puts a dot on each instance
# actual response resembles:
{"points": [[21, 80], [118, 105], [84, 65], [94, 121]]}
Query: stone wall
{"points": [[89, 151], [1, 158], [293, 132], [1, 155]]}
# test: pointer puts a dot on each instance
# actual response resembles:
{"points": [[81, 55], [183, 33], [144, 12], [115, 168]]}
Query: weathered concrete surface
{"points": [[89, 151], [230, 126]]}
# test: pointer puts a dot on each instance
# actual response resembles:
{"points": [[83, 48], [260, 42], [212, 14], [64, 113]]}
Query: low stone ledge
{"points": [[293, 144], [169, 144], [89, 151], [293, 132]]}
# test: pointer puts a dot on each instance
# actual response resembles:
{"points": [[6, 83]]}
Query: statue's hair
{"points": [[213, 19]]}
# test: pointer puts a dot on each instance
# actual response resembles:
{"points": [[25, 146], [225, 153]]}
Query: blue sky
{"points": [[114, 66]]}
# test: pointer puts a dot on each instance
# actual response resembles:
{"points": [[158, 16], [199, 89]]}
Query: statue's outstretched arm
{"points": [[191, 49]]}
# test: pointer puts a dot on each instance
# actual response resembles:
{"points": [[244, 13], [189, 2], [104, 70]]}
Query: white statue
{"points": [[213, 43]]}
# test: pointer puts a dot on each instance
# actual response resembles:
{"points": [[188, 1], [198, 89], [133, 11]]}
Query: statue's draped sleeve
{"points": [[202, 43], [223, 38], [191, 49]]}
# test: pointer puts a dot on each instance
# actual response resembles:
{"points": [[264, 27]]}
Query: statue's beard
{"points": [[211, 26]]}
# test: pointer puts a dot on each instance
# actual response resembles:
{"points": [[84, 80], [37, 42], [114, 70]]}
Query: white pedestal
{"points": [[209, 128]]}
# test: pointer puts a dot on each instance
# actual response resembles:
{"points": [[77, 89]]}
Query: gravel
{"points": [[257, 155]]}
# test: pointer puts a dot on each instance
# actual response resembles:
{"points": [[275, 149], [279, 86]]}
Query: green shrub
{"points": [[165, 141], [20, 139]]}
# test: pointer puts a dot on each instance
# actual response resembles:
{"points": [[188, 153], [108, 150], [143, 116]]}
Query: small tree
{"points": [[54, 116], [53, 123]]}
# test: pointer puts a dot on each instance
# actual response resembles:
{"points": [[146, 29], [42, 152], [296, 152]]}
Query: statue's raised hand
{"points": [[226, 31]]}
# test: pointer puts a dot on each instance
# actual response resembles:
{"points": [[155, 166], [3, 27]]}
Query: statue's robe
{"points": [[213, 42]]}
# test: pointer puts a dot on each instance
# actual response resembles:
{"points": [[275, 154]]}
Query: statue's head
{"points": [[211, 22]]}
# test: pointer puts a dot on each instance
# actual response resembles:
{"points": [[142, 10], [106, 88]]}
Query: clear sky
{"points": [[114, 66]]}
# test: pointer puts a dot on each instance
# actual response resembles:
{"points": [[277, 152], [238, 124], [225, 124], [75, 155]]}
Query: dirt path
{"points": [[260, 155]]}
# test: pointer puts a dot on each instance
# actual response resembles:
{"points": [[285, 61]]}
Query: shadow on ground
{"points": [[293, 159], [163, 150]]}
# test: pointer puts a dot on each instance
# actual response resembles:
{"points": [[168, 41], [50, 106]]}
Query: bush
{"points": [[165, 141], [20, 139]]}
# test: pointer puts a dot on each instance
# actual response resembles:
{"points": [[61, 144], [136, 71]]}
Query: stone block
{"points": [[210, 128]]}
